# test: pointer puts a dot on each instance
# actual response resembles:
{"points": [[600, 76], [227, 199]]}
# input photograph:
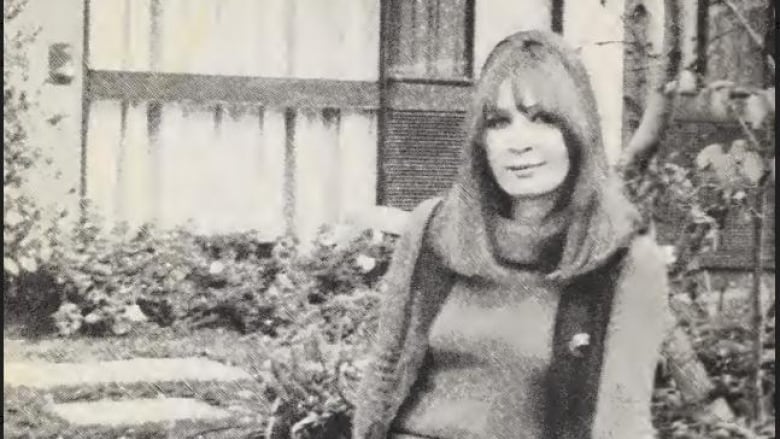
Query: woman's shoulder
{"points": [[645, 246], [422, 214]]}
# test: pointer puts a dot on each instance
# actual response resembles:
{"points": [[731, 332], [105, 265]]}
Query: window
{"points": [[430, 39]]}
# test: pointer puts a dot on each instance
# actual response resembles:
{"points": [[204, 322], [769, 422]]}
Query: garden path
{"points": [[70, 378]]}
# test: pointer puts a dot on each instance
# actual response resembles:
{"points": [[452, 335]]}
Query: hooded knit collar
{"points": [[598, 218], [533, 245]]}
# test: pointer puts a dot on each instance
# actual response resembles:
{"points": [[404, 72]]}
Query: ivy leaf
{"points": [[720, 98], [735, 168], [10, 266], [756, 110], [713, 158], [709, 156], [748, 163], [13, 218], [28, 264]]}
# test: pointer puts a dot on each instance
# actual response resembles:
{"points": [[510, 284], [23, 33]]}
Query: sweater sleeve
{"points": [[640, 321], [375, 399]]}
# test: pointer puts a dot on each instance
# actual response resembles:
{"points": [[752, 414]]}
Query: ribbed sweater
{"points": [[490, 346], [489, 349]]}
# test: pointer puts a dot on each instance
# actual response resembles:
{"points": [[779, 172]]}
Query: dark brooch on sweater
{"points": [[579, 344]]}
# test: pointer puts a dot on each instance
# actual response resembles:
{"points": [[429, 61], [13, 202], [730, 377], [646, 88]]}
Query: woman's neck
{"points": [[533, 210]]}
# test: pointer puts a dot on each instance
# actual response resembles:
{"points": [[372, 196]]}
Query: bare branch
{"points": [[645, 141], [752, 32], [754, 143]]}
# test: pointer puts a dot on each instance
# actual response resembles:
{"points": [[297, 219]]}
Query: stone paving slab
{"points": [[137, 411], [44, 375]]}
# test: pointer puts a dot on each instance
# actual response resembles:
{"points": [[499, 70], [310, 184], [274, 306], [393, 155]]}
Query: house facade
{"points": [[282, 115]]}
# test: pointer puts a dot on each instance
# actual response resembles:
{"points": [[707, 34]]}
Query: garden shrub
{"points": [[317, 365], [338, 269], [29, 228], [105, 279], [724, 344], [110, 278]]}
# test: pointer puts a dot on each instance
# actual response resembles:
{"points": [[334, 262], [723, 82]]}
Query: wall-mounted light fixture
{"points": [[61, 68]]}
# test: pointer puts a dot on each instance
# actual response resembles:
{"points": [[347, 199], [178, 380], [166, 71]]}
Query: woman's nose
{"points": [[521, 136], [519, 148]]}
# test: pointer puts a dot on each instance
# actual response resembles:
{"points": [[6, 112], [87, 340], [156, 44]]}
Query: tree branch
{"points": [[645, 141], [752, 32]]}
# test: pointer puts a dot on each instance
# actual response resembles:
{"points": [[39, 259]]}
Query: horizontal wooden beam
{"points": [[278, 92]]}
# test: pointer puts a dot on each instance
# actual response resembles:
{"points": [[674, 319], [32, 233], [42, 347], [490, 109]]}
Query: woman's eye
{"points": [[542, 117], [496, 122]]}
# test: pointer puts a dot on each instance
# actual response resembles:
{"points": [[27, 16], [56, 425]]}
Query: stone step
{"points": [[137, 411], [43, 375]]}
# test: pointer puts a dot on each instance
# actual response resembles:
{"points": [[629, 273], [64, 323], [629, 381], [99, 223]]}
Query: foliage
{"points": [[111, 281], [724, 344], [314, 376], [108, 281], [27, 238], [693, 195], [340, 269], [269, 293]]}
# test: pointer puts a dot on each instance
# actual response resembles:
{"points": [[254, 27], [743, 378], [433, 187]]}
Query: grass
{"points": [[26, 416]]}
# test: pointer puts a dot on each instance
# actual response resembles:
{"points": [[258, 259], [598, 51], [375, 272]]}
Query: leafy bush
{"points": [[341, 269], [724, 344], [106, 282], [28, 236], [315, 372]]}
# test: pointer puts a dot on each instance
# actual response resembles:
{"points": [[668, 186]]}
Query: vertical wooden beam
{"points": [[702, 34], [153, 123], [119, 200], [85, 103], [155, 38], [289, 170], [468, 46], [557, 16], [385, 40]]}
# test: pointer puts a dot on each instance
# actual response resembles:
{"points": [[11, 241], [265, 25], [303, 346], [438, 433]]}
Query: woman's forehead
{"points": [[516, 94]]}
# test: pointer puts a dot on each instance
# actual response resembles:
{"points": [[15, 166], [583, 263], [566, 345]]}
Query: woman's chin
{"points": [[530, 193]]}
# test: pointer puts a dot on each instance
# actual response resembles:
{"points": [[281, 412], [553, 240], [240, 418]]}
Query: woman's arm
{"points": [[376, 399], [639, 322]]}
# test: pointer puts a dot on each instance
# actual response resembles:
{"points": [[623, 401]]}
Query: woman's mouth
{"points": [[524, 166]]}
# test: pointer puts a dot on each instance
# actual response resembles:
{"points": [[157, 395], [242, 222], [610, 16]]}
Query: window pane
{"points": [[429, 39]]}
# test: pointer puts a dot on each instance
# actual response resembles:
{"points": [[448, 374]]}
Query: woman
{"points": [[527, 302]]}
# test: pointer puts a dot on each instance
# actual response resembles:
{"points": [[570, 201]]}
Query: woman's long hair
{"points": [[601, 219]]}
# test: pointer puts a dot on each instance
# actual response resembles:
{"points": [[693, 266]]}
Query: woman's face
{"points": [[525, 150]]}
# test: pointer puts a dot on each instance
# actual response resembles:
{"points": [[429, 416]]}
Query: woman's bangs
{"points": [[549, 93]]}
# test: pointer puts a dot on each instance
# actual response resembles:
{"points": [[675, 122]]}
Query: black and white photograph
{"points": [[389, 219]]}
